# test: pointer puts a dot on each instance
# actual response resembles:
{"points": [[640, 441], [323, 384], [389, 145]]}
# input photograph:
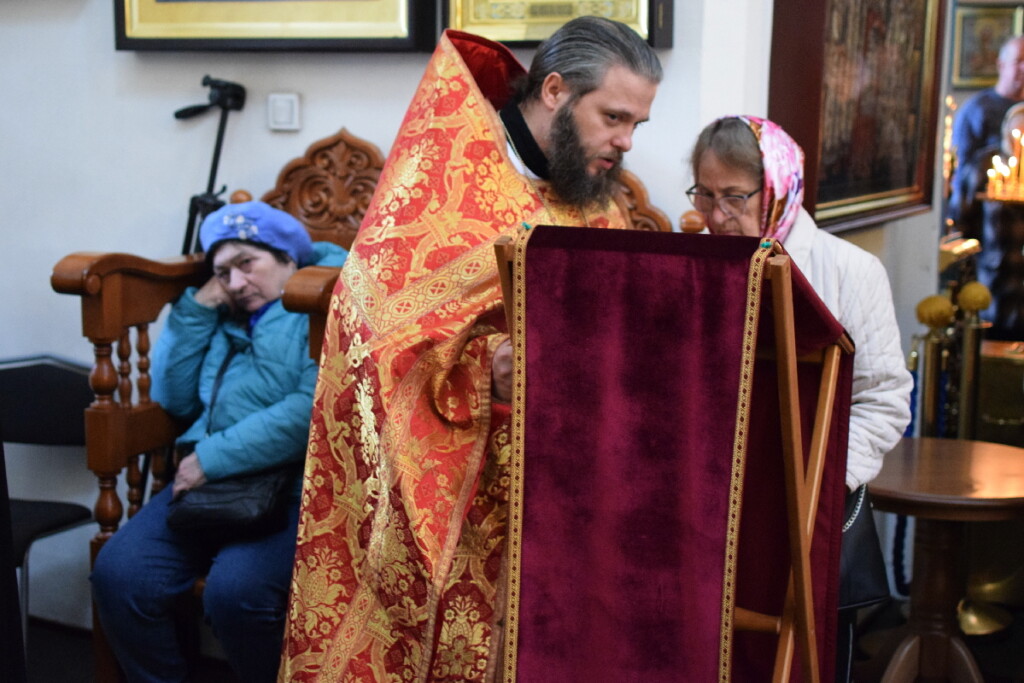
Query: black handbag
{"points": [[238, 507], [862, 577], [245, 506]]}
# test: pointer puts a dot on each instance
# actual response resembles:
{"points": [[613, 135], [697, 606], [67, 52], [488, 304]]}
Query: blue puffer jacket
{"points": [[262, 410]]}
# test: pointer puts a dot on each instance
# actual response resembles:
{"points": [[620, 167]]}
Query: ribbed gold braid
{"points": [[739, 455], [514, 535]]}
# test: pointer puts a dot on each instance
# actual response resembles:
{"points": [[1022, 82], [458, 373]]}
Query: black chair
{"points": [[12, 651], [42, 402]]}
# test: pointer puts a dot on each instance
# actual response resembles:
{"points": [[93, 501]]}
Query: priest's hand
{"points": [[501, 373]]}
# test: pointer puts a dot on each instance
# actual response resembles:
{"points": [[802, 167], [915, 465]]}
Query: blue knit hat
{"points": [[259, 223]]}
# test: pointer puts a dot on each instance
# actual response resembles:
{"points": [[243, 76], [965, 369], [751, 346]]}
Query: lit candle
{"points": [[995, 177], [1016, 155], [947, 152]]}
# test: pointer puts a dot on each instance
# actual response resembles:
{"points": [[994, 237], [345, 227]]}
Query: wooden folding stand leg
{"points": [[803, 482]]}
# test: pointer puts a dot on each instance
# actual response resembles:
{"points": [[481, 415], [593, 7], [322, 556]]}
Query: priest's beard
{"points": [[567, 165]]}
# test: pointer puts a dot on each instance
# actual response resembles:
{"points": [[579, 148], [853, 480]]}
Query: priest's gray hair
{"points": [[583, 50]]}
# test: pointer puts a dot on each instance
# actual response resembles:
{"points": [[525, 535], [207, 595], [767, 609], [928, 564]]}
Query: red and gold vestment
{"points": [[400, 547]]}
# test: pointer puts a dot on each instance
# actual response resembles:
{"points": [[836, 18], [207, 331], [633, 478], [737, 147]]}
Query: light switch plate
{"points": [[283, 111]]}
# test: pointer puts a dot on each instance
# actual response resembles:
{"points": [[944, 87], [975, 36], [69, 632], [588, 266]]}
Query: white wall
{"points": [[92, 159]]}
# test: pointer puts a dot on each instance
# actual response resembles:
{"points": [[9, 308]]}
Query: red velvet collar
{"points": [[492, 65]]}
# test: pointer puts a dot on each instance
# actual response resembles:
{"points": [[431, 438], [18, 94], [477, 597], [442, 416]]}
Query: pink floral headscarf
{"points": [[783, 162]]}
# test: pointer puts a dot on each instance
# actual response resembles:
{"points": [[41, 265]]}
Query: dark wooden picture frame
{"points": [[978, 33], [525, 23], [276, 25], [862, 102]]}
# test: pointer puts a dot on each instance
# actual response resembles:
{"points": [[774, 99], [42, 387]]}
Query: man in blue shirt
{"points": [[977, 136]]}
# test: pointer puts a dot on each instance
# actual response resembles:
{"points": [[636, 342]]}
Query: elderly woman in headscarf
{"points": [[748, 175]]}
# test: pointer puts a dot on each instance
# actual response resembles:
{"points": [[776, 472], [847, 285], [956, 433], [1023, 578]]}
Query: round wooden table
{"points": [[944, 483]]}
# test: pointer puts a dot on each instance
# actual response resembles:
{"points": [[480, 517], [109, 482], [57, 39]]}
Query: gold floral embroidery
{"points": [[462, 643], [319, 576], [368, 433]]}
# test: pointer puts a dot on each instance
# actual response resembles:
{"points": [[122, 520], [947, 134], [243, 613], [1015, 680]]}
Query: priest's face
{"points": [[728, 197], [590, 134]]}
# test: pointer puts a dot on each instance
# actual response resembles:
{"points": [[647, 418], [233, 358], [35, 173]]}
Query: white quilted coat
{"points": [[854, 286]]}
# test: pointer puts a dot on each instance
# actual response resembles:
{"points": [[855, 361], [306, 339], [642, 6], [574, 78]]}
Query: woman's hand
{"points": [[501, 373], [212, 294], [189, 475]]}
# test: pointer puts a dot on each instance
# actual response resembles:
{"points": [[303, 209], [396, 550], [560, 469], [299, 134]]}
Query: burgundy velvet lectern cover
{"points": [[646, 446]]}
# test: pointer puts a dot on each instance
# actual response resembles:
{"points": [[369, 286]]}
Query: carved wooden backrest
{"points": [[635, 203], [329, 189]]}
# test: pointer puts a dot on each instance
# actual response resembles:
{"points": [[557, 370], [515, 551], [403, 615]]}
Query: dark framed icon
{"points": [[978, 33], [527, 22], [263, 25], [863, 104]]}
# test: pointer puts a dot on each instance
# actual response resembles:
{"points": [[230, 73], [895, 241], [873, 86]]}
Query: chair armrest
{"points": [[121, 294], [309, 291], [119, 291]]}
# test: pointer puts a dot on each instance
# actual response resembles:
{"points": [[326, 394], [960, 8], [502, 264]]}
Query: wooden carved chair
{"points": [[328, 190]]}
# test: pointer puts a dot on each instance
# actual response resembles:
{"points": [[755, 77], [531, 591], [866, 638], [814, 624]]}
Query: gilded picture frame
{"points": [[527, 22], [978, 33], [865, 108], [301, 25]]}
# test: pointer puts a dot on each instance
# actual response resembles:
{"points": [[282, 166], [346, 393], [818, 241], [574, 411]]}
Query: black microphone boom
{"points": [[229, 97], [189, 112]]}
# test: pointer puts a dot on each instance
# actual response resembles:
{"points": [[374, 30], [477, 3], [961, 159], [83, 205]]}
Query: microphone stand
{"points": [[228, 96]]}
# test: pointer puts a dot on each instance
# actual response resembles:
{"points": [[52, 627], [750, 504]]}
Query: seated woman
{"points": [[236, 363], [748, 175]]}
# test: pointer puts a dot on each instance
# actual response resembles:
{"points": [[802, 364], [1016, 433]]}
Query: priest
{"points": [[400, 561]]}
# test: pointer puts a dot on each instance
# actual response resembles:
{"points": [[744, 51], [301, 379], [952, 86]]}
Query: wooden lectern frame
{"points": [[795, 626]]}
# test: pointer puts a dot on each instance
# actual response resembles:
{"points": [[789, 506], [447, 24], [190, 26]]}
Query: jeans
{"points": [[145, 568]]}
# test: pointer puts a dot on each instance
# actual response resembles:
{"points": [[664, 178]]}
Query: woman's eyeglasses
{"points": [[732, 205]]}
